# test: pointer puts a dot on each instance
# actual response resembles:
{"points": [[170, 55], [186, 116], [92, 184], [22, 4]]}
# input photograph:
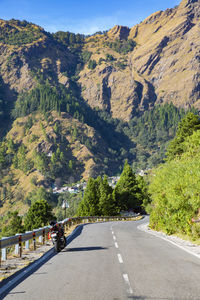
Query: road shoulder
{"points": [[178, 242]]}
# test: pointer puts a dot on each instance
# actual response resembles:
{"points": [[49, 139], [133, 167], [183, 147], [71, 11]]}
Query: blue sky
{"points": [[83, 16]]}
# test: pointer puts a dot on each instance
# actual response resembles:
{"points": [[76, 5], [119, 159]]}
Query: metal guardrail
{"points": [[18, 239]]}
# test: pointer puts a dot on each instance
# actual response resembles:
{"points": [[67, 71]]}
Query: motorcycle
{"points": [[57, 237]]}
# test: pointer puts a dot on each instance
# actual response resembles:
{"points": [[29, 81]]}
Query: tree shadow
{"points": [[24, 273], [155, 298]]}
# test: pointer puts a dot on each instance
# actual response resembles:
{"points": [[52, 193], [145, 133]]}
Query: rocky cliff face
{"points": [[163, 67]]}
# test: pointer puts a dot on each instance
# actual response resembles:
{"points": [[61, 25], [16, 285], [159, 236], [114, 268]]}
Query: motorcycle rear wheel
{"points": [[57, 246]]}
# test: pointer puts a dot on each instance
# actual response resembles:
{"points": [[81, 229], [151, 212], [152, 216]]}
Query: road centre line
{"points": [[116, 245], [126, 279], [120, 258], [114, 237]]}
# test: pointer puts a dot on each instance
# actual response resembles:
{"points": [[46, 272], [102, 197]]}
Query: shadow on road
{"points": [[84, 249], [21, 275], [154, 298]]}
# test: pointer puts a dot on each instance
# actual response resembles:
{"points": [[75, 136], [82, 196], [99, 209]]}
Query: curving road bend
{"points": [[114, 261]]}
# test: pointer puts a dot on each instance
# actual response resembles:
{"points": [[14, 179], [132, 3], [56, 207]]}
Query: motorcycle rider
{"points": [[58, 227]]}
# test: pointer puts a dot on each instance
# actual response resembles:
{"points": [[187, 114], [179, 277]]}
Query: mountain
{"points": [[163, 66], [74, 106]]}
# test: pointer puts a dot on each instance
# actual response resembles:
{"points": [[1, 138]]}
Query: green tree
{"points": [[39, 215], [107, 205], [186, 127], [143, 194], [89, 206], [13, 225], [174, 189], [127, 192]]}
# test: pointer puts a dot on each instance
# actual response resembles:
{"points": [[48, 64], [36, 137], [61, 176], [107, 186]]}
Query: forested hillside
{"points": [[75, 106]]}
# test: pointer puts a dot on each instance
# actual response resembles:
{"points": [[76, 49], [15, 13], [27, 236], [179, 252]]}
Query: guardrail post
{"points": [[27, 243], [17, 247], [43, 236], [3, 252], [20, 245], [34, 241]]}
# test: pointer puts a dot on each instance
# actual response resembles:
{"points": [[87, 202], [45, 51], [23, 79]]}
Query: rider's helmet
{"points": [[52, 223]]}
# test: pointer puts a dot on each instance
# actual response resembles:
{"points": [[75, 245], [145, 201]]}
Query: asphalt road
{"points": [[114, 261]]}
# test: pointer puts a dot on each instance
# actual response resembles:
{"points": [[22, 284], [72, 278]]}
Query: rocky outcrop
{"points": [[119, 32], [163, 67]]}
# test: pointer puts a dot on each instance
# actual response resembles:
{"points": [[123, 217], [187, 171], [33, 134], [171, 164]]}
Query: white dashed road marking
{"points": [[125, 276], [126, 279], [120, 258]]}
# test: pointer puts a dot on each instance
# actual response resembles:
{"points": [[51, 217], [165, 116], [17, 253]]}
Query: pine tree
{"points": [[127, 190], [107, 205], [89, 206]]}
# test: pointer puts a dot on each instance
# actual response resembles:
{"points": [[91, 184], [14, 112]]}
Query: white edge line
{"points": [[181, 247], [168, 240], [28, 269]]}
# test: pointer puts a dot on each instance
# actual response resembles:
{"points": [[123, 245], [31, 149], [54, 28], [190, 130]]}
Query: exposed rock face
{"points": [[120, 32], [19, 64], [163, 67]]}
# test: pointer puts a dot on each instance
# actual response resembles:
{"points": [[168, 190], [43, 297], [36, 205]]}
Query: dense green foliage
{"points": [[39, 215], [69, 39], [72, 201], [41, 194], [186, 128], [143, 140], [101, 199], [45, 98], [127, 192], [20, 33], [5, 107], [175, 184], [89, 205], [11, 224], [122, 46], [107, 203], [150, 134]]}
